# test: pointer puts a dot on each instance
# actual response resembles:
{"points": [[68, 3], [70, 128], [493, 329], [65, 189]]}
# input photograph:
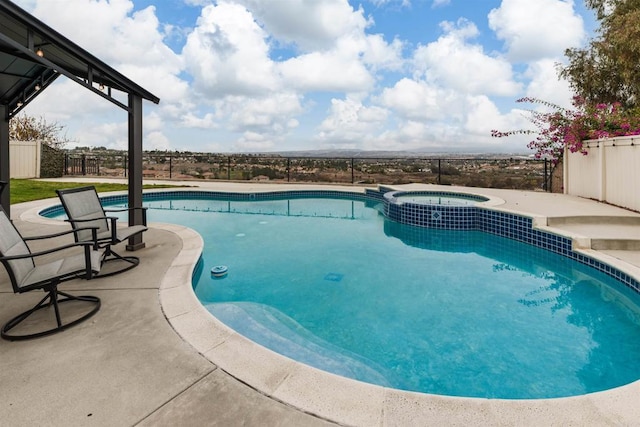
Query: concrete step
{"points": [[605, 232], [615, 244], [631, 220]]}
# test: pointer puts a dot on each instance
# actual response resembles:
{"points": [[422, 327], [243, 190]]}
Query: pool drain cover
{"points": [[334, 277]]}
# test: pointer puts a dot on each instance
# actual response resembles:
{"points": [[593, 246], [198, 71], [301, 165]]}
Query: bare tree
{"points": [[28, 128]]}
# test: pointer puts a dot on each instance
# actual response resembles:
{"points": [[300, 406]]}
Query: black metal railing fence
{"points": [[515, 172]]}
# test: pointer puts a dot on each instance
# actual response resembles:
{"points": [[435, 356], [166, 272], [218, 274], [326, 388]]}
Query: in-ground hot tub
{"points": [[433, 209], [435, 198]]}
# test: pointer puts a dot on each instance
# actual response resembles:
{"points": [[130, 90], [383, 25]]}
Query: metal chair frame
{"points": [[49, 285], [105, 223]]}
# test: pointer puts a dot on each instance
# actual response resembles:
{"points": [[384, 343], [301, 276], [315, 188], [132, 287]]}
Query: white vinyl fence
{"points": [[610, 172], [24, 159]]}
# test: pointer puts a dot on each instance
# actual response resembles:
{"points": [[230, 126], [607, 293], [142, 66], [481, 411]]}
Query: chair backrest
{"points": [[11, 244], [83, 204]]}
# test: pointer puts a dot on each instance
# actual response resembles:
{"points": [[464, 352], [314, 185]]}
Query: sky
{"points": [[288, 75]]}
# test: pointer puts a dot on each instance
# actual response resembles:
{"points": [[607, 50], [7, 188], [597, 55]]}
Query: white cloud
{"points": [[403, 3], [272, 115], [330, 71], [130, 41], [111, 135], [206, 121], [350, 121], [382, 55], [156, 141], [253, 141], [260, 74], [117, 35], [348, 66], [482, 116], [537, 29], [453, 62], [432, 116], [544, 83], [153, 122], [440, 3], [227, 54], [418, 100], [310, 25]]}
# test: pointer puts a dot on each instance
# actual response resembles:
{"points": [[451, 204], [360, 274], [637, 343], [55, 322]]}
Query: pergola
{"points": [[32, 56]]}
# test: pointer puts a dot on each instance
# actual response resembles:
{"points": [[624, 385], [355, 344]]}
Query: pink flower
{"points": [[562, 127]]}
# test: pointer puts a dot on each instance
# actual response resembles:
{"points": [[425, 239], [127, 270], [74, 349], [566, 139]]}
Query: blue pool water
{"points": [[334, 284]]}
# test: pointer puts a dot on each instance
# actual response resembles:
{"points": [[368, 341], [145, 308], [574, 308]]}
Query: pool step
{"points": [[605, 232], [630, 220], [615, 244]]}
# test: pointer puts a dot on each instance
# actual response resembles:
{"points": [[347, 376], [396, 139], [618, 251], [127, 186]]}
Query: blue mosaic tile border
{"points": [[503, 224], [433, 216], [273, 195], [521, 228], [219, 195], [469, 197], [477, 218]]}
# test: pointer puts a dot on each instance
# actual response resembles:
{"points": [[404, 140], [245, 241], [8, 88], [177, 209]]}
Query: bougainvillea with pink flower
{"points": [[560, 127]]}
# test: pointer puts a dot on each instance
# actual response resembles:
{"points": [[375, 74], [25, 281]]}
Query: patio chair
{"points": [[84, 209], [25, 276]]}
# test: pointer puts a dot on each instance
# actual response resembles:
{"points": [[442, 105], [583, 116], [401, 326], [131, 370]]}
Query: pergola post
{"points": [[5, 173], [135, 169]]}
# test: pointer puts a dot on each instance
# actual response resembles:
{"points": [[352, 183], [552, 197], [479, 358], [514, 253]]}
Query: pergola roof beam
{"points": [[32, 56]]}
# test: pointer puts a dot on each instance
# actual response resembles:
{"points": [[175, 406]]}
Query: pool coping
{"points": [[347, 401]]}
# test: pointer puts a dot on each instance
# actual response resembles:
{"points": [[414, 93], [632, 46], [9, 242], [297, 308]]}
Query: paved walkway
{"points": [[128, 366]]}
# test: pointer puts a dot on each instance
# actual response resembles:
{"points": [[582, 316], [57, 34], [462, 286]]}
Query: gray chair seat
{"points": [[122, 233], [62, 267]]}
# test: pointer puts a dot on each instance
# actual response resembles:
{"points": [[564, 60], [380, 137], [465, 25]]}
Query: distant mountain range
{"points": [[347, 153], [386, 154]]}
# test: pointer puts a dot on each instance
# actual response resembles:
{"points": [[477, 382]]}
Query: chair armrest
{"points": [[112, 225], [143, 209], [45, 252], [62, 233], [86, 219]]}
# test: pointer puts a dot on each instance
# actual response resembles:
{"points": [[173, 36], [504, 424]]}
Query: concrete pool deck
{"points": [[154, 356]]}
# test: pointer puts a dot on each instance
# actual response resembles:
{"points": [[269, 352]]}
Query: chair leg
{"points": [[52, 296], [110, 255]]}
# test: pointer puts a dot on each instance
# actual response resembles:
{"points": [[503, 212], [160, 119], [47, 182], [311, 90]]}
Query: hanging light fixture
{"points": [[40, 52], [20, 103]]}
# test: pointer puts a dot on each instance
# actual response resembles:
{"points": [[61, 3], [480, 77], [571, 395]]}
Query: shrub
{"points": [[559, 127]]}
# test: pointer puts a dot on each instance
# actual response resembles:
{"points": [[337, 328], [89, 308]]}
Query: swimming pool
{"points": [[400, 249]]}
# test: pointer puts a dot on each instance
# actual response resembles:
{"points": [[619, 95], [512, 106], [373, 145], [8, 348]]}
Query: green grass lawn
{"points": [[26, 190]]}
